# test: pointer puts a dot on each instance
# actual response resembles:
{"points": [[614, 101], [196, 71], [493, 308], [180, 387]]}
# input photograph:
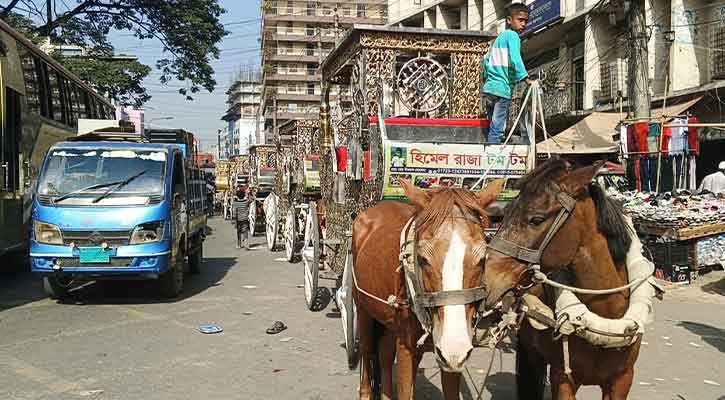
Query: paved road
{"points": [[120, 341]]}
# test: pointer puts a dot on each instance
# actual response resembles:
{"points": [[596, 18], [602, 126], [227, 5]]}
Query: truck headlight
{"points": [[148, 233], [47, 233]]}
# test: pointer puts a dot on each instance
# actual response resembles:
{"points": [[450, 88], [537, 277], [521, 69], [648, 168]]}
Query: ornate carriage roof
{"points": [[403, 38]]}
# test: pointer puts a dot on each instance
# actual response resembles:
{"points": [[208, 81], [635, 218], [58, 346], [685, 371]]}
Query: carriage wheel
{"points": [[270, 213], [290, 233], [311, 256], [252, 218], [348, 312]]}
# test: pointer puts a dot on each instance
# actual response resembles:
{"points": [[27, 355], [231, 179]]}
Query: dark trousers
{"points": [[243, 232], [667, 178], [644, 174]]}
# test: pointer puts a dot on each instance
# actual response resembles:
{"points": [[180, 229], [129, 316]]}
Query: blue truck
{"points": [[112, 205]]}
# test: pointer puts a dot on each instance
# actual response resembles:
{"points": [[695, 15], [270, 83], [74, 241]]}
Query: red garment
{"points": [[341, 153], [693, 141], [637, 180], [641, 130], [631, 140], [666, 136]]}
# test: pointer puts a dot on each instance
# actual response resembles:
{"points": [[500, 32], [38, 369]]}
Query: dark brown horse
{"points": [[591, 245], [450, 244]]}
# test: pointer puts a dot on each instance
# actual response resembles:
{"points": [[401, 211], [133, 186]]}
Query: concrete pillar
{"points": [[441, 18], [592, 74], [429, 18], [474, 15], [463, 16]]}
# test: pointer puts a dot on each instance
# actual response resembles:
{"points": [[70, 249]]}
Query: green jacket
{"points": [[503, 65]]}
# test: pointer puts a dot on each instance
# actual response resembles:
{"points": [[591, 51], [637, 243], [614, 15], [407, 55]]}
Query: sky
{"points": [[201, 116]]}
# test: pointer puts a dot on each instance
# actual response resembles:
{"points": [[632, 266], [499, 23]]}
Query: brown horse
{"points": [[591, 245], [450, 245]]}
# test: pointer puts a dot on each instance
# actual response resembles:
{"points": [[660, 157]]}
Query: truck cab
{"points": [[108, 209]]}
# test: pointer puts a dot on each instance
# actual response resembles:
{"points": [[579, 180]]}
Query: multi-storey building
{"points": [[242, 116], [296, 36]]}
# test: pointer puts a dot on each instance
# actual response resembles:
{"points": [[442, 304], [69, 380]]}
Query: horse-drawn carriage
{"points": [[408, 108], [262, 172], [297, 186]]}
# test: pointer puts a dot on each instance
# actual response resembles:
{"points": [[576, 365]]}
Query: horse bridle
{"points": [[533, 256], [421, 301]]}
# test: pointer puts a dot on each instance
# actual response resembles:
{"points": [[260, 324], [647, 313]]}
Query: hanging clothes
{"points": [[667, 178], [653, 137], [644, 174], [631, 178], [652, 176], [631, 140], [641, 130], [666, 136], [678, 142], [637, 176], [679, 171], [693, 176], [693, 141], [623, 139]]}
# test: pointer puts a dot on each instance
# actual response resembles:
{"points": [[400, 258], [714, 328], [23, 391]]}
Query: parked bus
{"points": [[40, 104]]}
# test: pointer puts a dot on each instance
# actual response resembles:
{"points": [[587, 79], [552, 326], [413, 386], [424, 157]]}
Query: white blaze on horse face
{"points": [[455, 342]]}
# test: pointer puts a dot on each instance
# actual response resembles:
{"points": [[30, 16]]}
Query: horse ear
{"points": [[488, 194], [577, 181], [417, 196]]}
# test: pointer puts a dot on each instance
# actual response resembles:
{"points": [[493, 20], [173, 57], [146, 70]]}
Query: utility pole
{"points": [[638, 69], [49, 17]]}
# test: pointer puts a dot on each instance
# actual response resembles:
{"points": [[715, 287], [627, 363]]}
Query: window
{"points": [[56, 102], [311, 8], [310, 30], [311, 88], [32, 81], [326, 10], [292, 107], [361, 10], [310, 50], [346, 11], [718, 53], [292, 69], [289, 27], [11, 141], [311, 68], [290, 8]]}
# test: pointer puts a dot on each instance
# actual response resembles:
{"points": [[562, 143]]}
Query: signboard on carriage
{"points": [[432, 166]]}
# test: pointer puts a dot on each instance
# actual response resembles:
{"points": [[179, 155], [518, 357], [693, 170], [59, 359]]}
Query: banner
{"points": [[431, 166], [541, 13]]}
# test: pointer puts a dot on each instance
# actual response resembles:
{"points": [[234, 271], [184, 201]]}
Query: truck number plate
{"points": [[93, 255]]}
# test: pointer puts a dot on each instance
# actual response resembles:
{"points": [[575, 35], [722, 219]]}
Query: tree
{"points": [[188, 30]]}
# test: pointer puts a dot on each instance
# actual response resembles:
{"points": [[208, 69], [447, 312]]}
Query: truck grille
{"points": [[75, 262], [90, 238]]}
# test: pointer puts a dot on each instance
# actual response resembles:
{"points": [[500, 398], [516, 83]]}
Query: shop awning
{"points": [[593, 134]]}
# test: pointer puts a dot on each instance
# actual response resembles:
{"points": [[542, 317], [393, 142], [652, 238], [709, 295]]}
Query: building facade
{"points": [[580, 47], [296, 36], [242, 116]]}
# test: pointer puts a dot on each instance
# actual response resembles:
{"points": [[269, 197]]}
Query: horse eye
{"points": [[536, 221]]}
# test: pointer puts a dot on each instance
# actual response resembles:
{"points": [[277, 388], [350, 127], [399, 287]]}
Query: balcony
{"points": [[300, 37], [320, 18], [558, 101]]}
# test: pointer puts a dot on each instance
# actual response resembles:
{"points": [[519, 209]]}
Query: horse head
{"points": [[558, 218], [450, 246]]}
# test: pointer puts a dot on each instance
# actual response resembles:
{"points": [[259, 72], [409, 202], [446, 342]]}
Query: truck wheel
{"points": [[172, 281], [196, 259], [54, 288]]}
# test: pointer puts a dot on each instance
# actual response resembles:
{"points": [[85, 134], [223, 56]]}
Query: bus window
{"points": [[11, 142], [55, 96], [32, 83]]}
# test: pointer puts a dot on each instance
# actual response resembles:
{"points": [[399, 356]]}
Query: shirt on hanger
{"points": [[678, 142], [641, 130], [693, 140], [666, 136]]}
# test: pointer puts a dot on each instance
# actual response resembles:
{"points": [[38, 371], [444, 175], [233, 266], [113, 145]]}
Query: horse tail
{"points": [[530, 375], [375, 369]]}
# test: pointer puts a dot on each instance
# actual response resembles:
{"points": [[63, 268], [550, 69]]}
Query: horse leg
{"points": [[407, 368], [561, 387], [368, 353], [451, 382], [386, 356], [618, 389]]}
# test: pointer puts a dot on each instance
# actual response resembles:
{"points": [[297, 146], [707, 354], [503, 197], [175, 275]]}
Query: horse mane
{"points": [[443, 205], [610, 216], [611, 223]]}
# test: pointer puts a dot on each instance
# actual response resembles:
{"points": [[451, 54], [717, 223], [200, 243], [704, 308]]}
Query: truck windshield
{"points": [[90, 172]]}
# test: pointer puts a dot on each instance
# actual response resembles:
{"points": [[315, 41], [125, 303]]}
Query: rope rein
{"points": [[540, 277]]}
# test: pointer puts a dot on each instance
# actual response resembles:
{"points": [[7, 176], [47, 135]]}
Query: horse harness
{"points": [[423, 302]]}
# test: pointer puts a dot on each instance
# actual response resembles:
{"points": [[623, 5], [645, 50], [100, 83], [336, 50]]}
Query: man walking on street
{"points": [[504, 69], [240, 209], [715, 182]]}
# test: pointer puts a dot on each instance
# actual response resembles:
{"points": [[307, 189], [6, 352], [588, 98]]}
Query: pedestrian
{"points": [[240, 209], [504, 69], [715, 182]]}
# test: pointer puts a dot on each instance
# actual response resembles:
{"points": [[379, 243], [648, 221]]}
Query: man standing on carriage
{"points": [[504, 69]]}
